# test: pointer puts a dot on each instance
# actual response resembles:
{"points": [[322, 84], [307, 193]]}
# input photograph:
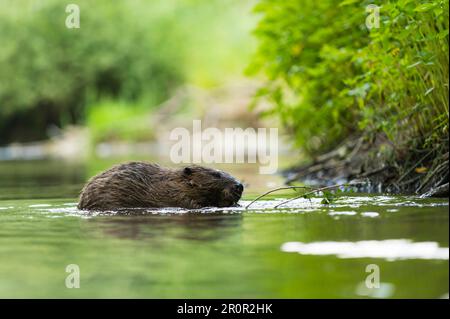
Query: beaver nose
{"points": [[239, 188]]}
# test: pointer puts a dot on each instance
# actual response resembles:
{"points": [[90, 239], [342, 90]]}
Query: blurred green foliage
{"points": [[331, 77], [50, 72], [111, 120], [127, 53]]}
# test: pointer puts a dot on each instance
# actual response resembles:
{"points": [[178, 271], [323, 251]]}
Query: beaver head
{"points": [[210, 187]]}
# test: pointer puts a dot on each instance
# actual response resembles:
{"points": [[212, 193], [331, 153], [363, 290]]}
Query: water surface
{"points": [[301, 250]]}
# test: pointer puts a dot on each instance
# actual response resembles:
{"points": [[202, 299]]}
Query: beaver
{"points": [[146, 185]]}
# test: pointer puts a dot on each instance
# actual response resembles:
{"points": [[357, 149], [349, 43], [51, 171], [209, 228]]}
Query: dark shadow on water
{"points": [[148, 225]]}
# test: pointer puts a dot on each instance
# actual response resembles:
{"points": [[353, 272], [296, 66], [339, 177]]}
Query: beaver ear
{"points": [[187, 171]]}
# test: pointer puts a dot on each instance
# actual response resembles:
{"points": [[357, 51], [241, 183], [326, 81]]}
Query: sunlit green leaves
{"points": [[328, 198], [348, 79]]}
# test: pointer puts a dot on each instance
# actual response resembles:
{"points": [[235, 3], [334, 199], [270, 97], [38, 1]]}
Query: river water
{"points": [[360, 246]]}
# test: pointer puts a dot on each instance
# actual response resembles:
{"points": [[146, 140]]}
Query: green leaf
{"points": [[425, 7]]}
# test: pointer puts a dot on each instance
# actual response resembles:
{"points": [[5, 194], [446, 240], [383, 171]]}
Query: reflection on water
{"points": [[385, 290], [198, 227], [392, 249], [301, 250]]}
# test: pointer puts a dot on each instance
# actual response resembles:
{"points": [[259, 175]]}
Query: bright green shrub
{"points": [[330, 77], [406, 69]]}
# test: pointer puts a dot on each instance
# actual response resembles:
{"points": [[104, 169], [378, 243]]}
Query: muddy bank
{"points": [[381, 167]]}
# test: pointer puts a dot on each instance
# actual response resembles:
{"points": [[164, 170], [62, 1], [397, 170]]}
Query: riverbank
{"points": [[360, 101], [384, 168]]}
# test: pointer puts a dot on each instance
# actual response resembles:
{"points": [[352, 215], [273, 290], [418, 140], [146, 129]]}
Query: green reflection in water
{"points": [[230, 253]]}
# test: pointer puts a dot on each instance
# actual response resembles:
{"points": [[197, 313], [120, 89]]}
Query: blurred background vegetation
{"points": [[126, 59]]}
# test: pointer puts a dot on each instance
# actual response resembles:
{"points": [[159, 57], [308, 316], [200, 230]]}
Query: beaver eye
{"points": [[187, 171], [216, 175]]}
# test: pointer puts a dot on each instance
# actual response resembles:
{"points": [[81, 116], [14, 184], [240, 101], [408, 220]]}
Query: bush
{"points": [[330, 77]]}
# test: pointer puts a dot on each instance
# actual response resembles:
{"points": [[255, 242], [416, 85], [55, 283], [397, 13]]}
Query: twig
{"points": [[274, 190], [315, 191], [415, 165], [437, 169]]}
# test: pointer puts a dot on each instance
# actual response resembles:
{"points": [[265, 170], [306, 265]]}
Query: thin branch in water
{"points": [[317, 190], [274, 190]]}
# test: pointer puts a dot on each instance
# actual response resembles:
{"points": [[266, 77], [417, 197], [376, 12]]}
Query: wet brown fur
{"points": [[142, 185]]}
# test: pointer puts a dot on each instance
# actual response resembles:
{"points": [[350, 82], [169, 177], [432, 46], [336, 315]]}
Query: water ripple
{"points": [[342, 206]]}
